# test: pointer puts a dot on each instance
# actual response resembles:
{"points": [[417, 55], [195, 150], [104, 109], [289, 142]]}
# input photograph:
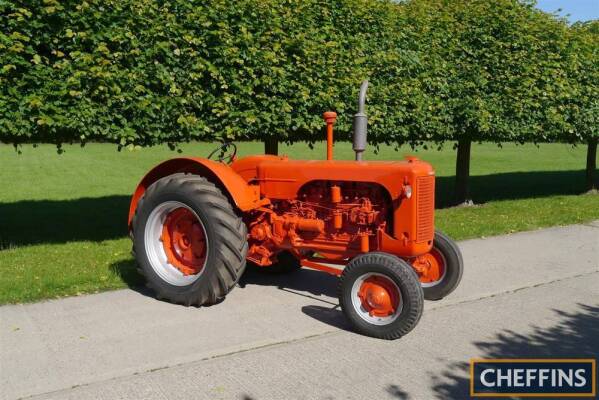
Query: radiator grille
{"points": [[425, 206]]}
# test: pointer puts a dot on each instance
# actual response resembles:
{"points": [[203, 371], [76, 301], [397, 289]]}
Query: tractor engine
{"points": [[333, 219]]}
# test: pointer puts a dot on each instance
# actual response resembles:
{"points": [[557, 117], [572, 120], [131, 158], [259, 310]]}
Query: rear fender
{"points": [[245, 197]]}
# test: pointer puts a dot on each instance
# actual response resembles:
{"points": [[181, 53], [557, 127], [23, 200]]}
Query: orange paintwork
{"points": [[184, 241], [337, 209], [336, 194], [430, 267], [308, 263], [344, 228], [244, 195], [247, 167], [283, 179], [379, 296], [329, 118]]}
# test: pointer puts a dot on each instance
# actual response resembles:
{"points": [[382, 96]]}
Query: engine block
{"points": [[333, 219]]}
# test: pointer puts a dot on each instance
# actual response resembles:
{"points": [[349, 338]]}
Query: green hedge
{"points": [[143, 72], [582, 109]]}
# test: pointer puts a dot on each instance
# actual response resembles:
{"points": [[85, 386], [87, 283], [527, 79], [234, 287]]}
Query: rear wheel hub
{"points": [[184, 241]]}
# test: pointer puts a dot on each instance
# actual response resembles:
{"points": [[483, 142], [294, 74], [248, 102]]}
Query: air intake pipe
{"points": [[360, 125]]}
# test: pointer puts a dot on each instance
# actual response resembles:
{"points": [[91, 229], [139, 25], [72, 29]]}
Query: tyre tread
{"points": [[231, 242], [453, 256], [405, 274]]}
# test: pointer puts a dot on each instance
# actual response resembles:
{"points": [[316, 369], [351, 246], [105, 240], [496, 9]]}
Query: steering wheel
{"points": [[228, 151]]}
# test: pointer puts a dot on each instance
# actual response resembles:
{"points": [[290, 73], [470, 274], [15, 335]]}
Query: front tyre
{"points": [[440, 271], [380, 295], [189, 243]]}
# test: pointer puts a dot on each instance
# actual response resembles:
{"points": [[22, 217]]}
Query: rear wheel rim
{"points": [[431, 268], [376, 298], [176, 243]]}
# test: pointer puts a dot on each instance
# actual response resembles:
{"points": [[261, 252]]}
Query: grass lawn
{"points": [[63, 217]]}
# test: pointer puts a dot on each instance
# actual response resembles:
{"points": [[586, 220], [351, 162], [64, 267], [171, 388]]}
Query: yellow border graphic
{"points": [[539, 360]]}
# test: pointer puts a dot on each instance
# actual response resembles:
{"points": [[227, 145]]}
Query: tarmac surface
{"points": [[531, 294]]}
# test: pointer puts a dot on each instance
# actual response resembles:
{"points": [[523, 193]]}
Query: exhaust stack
{"points": [[360, 125]]}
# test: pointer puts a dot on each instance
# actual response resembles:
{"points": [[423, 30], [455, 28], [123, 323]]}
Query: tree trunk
{"points": [[271, 145], [592, 165], [462, 172]]}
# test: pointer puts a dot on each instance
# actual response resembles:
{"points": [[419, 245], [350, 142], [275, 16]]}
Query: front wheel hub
{"points": [[430, 267], [376, 298]]}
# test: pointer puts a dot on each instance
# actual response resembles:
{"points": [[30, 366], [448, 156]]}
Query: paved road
{"points": [[526, 294]]}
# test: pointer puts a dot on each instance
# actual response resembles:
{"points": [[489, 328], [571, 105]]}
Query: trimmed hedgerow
{"points": [[143, 72]]}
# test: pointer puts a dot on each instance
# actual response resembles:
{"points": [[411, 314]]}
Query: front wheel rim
{"points": [[431, 268], [376, 298], [176, 243]]}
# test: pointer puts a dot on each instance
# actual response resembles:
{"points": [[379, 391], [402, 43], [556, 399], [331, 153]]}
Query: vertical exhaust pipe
{"points": [[329, 118], [360, 125]]}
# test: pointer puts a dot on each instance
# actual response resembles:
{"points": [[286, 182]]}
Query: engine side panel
{"points": [[283, 179]]}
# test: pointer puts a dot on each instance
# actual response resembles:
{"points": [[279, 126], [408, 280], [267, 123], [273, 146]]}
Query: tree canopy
{"points": [[500, 73], [142, 72], [583, 73]]}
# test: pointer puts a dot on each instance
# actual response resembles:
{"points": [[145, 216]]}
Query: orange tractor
{"points": [[197, 222]]}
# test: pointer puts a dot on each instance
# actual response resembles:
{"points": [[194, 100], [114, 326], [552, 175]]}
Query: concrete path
{"points": [[526, 294]]}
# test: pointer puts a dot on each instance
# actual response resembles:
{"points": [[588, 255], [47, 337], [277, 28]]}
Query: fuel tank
{"points": [[282, 178]]}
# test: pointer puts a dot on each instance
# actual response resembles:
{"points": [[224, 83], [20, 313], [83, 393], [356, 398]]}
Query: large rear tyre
{"points": [[440, 271], [188, 241], [380, 295]]}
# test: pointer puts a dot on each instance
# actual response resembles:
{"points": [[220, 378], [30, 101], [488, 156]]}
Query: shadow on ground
{"points": [[317, 285], [397, 393], [60, 221], [126, 270], [575, 336], [513, 186], [304, 282], [104, 218]]}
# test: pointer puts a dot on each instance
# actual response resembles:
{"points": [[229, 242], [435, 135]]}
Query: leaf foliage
{"points": [[145, 72]]}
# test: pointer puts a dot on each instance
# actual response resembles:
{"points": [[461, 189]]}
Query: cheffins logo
{"points": [[533, 377]]}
